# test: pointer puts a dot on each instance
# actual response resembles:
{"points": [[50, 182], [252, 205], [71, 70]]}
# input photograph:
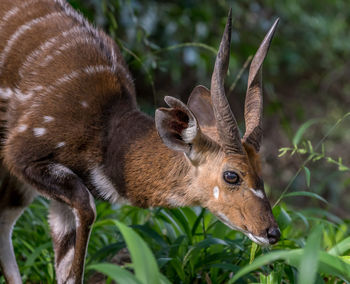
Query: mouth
{"points": [[263, 241]]}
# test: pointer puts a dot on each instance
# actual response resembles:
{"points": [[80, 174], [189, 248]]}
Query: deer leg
{"points": [[63, 226], [71, 216], [14, 198]]}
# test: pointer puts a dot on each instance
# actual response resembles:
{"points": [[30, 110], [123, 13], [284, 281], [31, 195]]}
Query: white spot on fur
{"points": [[38, 88], [48, 118], [60, 144], [22, 127], [23, 96], [63, 267], [38, 131], [84, 104], [104, 186], [61, 219], [216, 192], [59, 171], [257, 193], [5, 93]]}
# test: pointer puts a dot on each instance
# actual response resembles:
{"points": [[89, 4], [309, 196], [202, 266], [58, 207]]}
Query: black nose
{"points": [[273, 234]]}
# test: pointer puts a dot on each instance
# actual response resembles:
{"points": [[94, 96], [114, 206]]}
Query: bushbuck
{"points": [[71, 131]]}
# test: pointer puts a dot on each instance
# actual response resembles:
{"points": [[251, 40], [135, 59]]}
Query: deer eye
{"points": [[231, 177]]}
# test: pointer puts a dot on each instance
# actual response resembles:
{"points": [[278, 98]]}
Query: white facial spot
{"points": [[84, 104], [216, 192], [60, 144], [39, 131], [257, 193], [48, 118], [22, 127]]}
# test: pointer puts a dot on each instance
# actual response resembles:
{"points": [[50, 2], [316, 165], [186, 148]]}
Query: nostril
{"points": [[273, 234]]}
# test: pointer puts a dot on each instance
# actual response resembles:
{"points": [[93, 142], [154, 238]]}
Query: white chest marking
{"points": [[257, 193], [104, 186], [216, 192]]}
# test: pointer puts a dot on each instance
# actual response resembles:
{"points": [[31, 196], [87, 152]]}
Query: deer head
{"points": [[225, 174]]}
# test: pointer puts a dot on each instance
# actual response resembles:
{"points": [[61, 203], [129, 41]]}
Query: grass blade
{"points": [[116, 273], [299, 134], [309, 262], [144, 263], [341, 247], [306, 193]]}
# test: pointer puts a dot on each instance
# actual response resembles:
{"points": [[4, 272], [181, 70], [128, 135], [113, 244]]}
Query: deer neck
{"points": [[141, 167]]}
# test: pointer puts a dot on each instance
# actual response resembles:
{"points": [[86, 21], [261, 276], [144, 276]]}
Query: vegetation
{"points": [[170, 47]]}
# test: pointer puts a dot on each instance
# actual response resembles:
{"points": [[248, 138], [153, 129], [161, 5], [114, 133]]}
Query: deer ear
{"points": [[177, 126], [200, 104]]}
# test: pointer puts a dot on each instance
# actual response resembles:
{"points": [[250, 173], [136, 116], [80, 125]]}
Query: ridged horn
{"points": [[254, 99], [225, 121]]}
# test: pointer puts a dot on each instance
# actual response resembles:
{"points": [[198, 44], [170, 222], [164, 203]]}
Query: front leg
{"points": [[71, 215]]}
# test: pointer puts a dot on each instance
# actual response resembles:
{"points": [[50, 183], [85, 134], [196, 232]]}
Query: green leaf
{"points": [[282, 217], [299, 134], [144, 263], [307, 176], [309, 262], [118, 274], [341, 247], [262, 260], [252, 252], [306, 193], [327, 263]]}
